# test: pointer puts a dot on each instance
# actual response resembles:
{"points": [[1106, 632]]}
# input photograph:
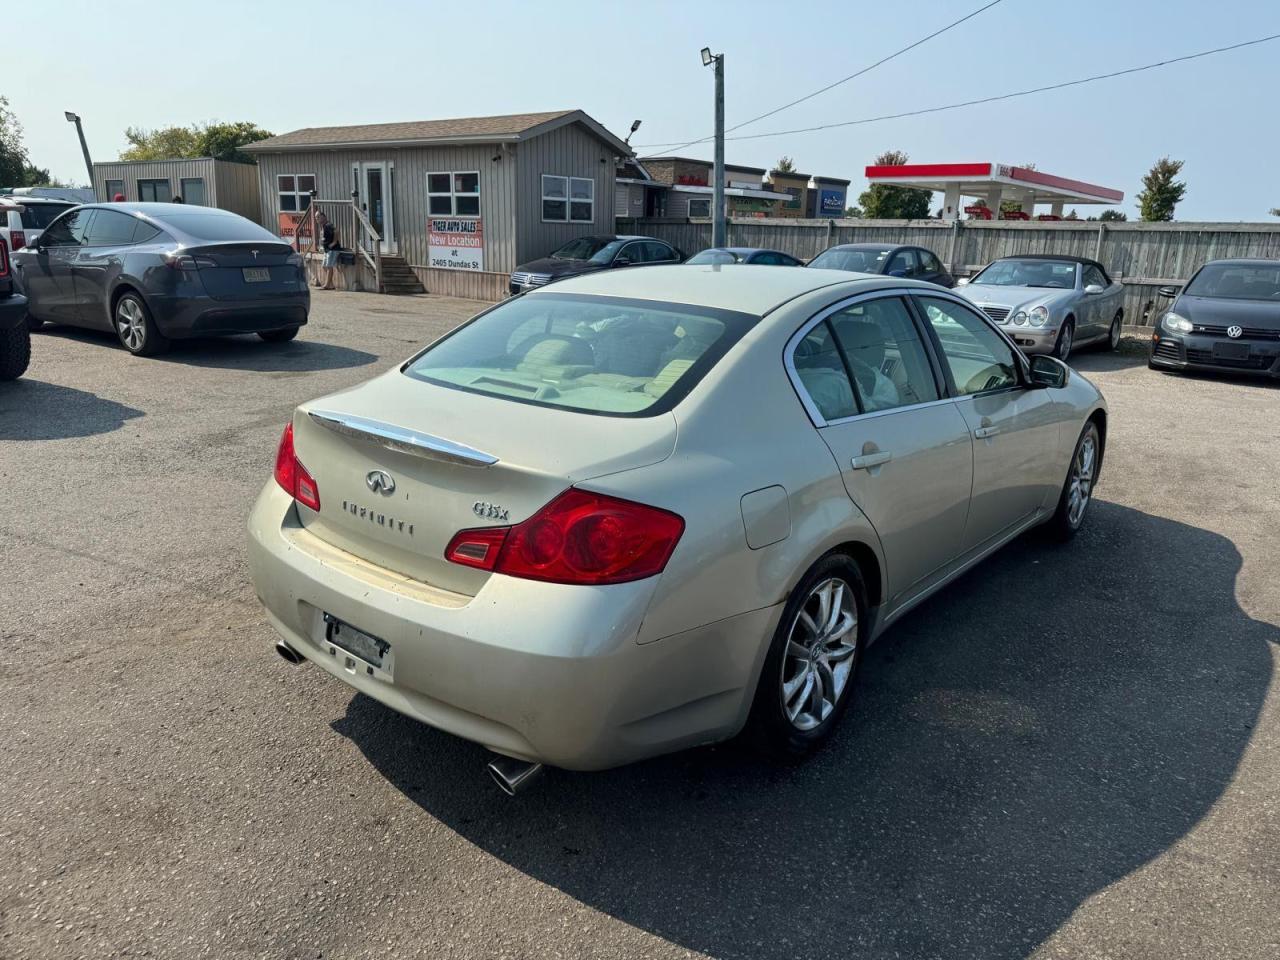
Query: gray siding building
{"points": [[460, 202], [203, 181]]}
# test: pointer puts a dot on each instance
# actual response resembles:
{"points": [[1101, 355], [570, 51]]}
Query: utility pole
{"points": [[718, 223], [84, 147]]}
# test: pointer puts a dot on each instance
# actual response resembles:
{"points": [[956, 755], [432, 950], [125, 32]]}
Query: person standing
{"points": [[329, 243]]}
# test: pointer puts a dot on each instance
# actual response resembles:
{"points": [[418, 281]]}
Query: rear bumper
{"points": [[181, 317], [13, 311], [545, 672], [1192, 352]]}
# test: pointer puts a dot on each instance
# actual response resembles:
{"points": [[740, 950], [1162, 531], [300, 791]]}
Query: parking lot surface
{"points": [[1072, 752]]}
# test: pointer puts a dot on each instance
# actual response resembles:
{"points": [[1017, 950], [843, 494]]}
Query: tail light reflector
{"points": [[18, 238], [579, 537], [4, 259], [292, 475]]}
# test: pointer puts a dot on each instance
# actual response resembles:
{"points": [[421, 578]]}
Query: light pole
{"points": [[717, 194], [84, 147]]}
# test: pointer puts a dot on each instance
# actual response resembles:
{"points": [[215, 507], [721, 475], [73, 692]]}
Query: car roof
{"points": [[867, 246], [1253, 261], [745, 250], [1065, 258], [160, 209], [24, 200], [746, 288]]}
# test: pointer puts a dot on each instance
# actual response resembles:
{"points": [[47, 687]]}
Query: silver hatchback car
{"points": [[634, 512]]}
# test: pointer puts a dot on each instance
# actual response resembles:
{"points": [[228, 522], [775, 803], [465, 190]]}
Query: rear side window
{"points": [[215, 226], [822, 371], [110, 229], [601, 355], [38, 216]]}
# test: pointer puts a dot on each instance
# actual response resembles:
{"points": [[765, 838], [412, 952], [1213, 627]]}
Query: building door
{"points": [[372, 184]]}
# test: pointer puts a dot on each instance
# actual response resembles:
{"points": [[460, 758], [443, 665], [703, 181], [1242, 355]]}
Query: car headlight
{"points": [[1020, 317], [1176, 323], [1039, 316]]}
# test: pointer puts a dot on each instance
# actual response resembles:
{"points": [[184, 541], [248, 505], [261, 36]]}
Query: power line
{"points": [[830, 86], [1003, 96]]}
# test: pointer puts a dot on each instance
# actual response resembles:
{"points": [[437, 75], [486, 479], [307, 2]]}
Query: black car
{"points": [[588, 254], [154, 272], [1227, 318], [891, 261], [724, 255], [15, 338]]}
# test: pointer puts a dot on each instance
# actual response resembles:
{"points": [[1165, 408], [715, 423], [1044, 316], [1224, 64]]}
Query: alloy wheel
{"points": [[1080, 483], [1114, 337], [131, 324], [1064, 342], [819, 656]]}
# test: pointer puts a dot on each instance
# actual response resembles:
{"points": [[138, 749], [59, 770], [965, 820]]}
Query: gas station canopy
{"points": [[994, 183]]}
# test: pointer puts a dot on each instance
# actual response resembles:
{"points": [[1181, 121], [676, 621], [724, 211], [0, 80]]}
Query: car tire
{"points": [[786, 722], [15, 352], [1077, 489], [135, 327], [279, 336], [1115, 332], [1066, 338]]}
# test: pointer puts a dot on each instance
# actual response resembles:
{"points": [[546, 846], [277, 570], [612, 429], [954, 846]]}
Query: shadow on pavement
{"points": [[1042, 728], [35, 410]]}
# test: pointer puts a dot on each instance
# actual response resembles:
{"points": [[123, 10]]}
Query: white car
{"points": [[22, 219]]}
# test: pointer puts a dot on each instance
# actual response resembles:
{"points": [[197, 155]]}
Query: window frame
{"points": [[106, 186], [1019, 358], [204, 189], [568, 199], [296, 193], [453, 193], [699, 216], [138, 182]]}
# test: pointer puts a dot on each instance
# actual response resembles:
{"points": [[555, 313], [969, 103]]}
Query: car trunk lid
{"points": [[403, 465], [240, 270]]}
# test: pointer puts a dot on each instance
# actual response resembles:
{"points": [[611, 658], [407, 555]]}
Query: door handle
{"points": [[983, 432], [866, 461]]}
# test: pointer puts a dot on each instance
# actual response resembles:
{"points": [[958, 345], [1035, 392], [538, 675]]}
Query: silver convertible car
{"points": [[637, 511], [1050, 304]]}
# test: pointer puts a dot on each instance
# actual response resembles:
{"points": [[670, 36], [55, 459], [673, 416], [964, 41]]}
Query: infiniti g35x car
{"points": [[638, 511]]}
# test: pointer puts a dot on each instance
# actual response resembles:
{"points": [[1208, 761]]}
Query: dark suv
{"points": [[15, 338], [588, 254]]}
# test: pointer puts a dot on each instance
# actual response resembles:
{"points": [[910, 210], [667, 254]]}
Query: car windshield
{"points": [[214, 226], [716, 256], [37, 216], [597, 249], [1057, 274], [603, 355], [858, 259], [1236, 281]]}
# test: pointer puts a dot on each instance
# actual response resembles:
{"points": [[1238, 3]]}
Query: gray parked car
{"points": [[152, 272], [1049, 304]]}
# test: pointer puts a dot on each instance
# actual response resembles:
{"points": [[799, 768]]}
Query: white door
{"points": [[372, 184]]}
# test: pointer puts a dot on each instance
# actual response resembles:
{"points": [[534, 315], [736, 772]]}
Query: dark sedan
{"points": [[1227, 318], [917, 263], [588, 254], [725, 255], [155, 272]]}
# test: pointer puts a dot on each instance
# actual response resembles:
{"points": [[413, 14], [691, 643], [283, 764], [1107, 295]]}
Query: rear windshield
{"points": [[860, 261], [213, 226], [1237, 281], [37, 216], [603, 355], [716, 256]]}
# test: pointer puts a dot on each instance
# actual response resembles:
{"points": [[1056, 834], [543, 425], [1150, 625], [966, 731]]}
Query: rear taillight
{"points": [[184, 261], [18, 238], [293, 476], [4, 259], [579, 537]]}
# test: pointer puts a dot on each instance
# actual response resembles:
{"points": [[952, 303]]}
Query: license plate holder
{"points": [[1226, 350], [356, 650], [256, 274]]}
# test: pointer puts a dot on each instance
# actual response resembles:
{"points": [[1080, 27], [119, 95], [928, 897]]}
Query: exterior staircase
{"points": [[398, 277]]}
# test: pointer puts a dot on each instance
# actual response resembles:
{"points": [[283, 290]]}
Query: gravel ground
{"points": [[1072, 752]]}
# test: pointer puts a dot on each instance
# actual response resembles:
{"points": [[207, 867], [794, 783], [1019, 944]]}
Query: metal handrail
{"points": [[376, 237], [358, 221]]}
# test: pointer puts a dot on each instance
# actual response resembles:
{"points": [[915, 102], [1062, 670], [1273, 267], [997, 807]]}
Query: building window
{"points": [[154, 191], [294, 191], [455, 194], [699, 206], [192, 191], [568, 199], [113, 187]]}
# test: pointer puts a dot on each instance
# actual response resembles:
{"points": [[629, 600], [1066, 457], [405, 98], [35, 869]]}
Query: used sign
{"points": [[455, 243]]}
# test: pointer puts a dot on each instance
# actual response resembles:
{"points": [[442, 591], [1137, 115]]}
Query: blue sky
{"points": [[153, 65]]}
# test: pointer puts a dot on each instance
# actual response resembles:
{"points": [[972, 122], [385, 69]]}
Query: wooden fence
{"points": [[1145, 256]]}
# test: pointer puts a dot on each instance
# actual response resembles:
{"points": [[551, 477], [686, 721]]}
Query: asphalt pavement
{"points": [[1072, 752]]}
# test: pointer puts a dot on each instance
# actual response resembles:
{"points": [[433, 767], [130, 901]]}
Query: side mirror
{"points": [[1168, 292], [1094, 288], [1048, 371], [622, 261], [897, 273]]}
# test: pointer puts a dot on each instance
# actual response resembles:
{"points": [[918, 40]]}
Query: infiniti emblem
{"points": [[379, 481], [1234, 332]]}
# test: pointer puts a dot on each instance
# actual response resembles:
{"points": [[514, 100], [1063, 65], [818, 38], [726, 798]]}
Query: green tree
{"points": [[1161, 192], [1113, 216], [166, 143], [13, 153], [223, 141], [854, 213], [883, 201], [786, 165], [1275, 211]]}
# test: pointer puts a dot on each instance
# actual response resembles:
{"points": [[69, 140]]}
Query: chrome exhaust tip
{"points": [[290, 654], [512, 775]]}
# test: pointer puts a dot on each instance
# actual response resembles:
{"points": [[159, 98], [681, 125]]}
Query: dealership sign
{"points": [[455, 243], [295, 226]]}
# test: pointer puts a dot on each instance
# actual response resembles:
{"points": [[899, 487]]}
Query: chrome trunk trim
{"points": [[401, 439]]}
